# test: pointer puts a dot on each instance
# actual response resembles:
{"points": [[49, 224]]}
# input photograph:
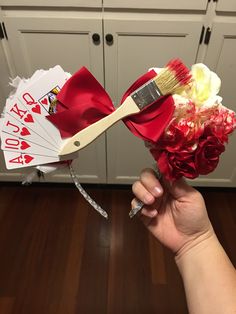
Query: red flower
{"points": [[175, 165], [222, 122], [207, 154], [190, 164], [192, 143], [181, 136]]}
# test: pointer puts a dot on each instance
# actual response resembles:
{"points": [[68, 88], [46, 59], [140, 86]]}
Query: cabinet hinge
{"points": [[202, 35], [1, 31], [207, 36]]}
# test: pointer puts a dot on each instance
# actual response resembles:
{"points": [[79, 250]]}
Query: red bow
{"points": [[83, 101]]}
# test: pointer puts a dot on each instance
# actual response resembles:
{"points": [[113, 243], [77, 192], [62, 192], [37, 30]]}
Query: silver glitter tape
{"points": [[136, 209], [85, 194], [139, 203]]}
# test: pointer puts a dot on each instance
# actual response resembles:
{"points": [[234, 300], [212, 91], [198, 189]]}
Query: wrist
{"points": [[196, 246]]}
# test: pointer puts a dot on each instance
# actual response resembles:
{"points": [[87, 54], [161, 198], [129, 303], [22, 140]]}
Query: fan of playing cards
{"points": [[27, 137]]}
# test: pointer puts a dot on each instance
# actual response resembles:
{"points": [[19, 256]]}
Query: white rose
{"points": [[205, 87]]}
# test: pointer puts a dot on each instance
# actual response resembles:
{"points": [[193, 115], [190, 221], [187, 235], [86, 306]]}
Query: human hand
{"points": [[174, 213]]}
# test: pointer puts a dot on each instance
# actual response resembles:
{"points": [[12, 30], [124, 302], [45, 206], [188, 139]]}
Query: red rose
{"points": [[181, 136], [175, 165], [207, 154], [222, 122]]}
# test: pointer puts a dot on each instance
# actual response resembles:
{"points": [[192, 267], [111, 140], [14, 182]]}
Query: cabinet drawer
{"points": [[226, 6], [53, 3], [161, 4]]}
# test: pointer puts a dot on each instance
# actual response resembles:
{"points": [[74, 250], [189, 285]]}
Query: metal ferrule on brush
{"points": [[146, 94]]}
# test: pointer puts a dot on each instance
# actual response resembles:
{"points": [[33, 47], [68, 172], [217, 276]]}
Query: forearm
{"points": [[209, 277]]}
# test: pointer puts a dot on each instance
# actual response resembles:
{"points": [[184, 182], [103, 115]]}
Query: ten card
{"points": [[16, 144]]}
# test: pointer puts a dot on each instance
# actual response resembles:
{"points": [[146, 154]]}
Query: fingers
{"points": [[142, 193], [148, 187], [149, 212], [147, 190]]}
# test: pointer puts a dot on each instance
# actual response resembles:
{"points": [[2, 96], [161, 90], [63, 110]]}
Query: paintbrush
{"points": [[172, 79]]}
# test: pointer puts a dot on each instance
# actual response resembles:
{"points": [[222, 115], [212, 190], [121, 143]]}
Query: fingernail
{"points": [[148, 199], [153, 213], [157, 191]]}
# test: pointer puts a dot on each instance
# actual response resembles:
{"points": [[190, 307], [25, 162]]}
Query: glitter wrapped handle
{"points": [[86, 195]]}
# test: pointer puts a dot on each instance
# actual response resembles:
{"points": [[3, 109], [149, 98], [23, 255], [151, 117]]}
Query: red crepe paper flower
{"points": [[195, 137]]}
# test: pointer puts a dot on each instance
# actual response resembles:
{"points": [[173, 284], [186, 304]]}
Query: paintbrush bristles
{"points": [[174, 78]]}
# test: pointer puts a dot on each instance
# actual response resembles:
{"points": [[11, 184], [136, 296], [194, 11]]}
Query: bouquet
{"points": [[195, 137]]}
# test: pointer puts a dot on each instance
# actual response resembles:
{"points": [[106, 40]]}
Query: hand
{"points": [[174, 213]]}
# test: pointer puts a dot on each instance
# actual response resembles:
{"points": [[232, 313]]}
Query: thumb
{"points": [[179, 188]]}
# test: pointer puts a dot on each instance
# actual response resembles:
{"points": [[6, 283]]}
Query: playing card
{"points": [[13, 143], [12, 126], [18, 111], [48, 101], [16, 160], [42, 90], [40, 98]]}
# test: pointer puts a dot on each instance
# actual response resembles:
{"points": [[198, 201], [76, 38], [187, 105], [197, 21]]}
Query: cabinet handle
{"points": [[1, 31], [109, 39], [96, 38], [4, 30], [207, 36], [202, 35]]}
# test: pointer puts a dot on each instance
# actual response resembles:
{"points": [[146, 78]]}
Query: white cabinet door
{"points": [[226, 6], [4, 92], [42, 42], [139, 44], [4, 77], [160, 4], [220, 58]]}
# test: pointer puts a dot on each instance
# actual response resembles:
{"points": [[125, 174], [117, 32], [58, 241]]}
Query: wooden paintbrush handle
{"points": [[89, 134]]}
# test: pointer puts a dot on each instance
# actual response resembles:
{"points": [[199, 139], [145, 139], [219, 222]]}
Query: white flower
{"points": [[205, 87]]}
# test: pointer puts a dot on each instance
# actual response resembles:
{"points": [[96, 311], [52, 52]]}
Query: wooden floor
{"points": [[57, 255]]}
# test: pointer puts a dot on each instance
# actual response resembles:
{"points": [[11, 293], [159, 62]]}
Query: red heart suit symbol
{"points": [[24, 145], [45, 101], [36, 109], [28, 118], [28, 159], [24, 132]]}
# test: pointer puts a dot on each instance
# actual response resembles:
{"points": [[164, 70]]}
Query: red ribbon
{"points": [[83, 101]]}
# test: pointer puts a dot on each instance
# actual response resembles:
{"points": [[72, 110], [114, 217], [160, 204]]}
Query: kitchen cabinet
{"points": [[220, 57], [138, 44], [41, 41]]}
